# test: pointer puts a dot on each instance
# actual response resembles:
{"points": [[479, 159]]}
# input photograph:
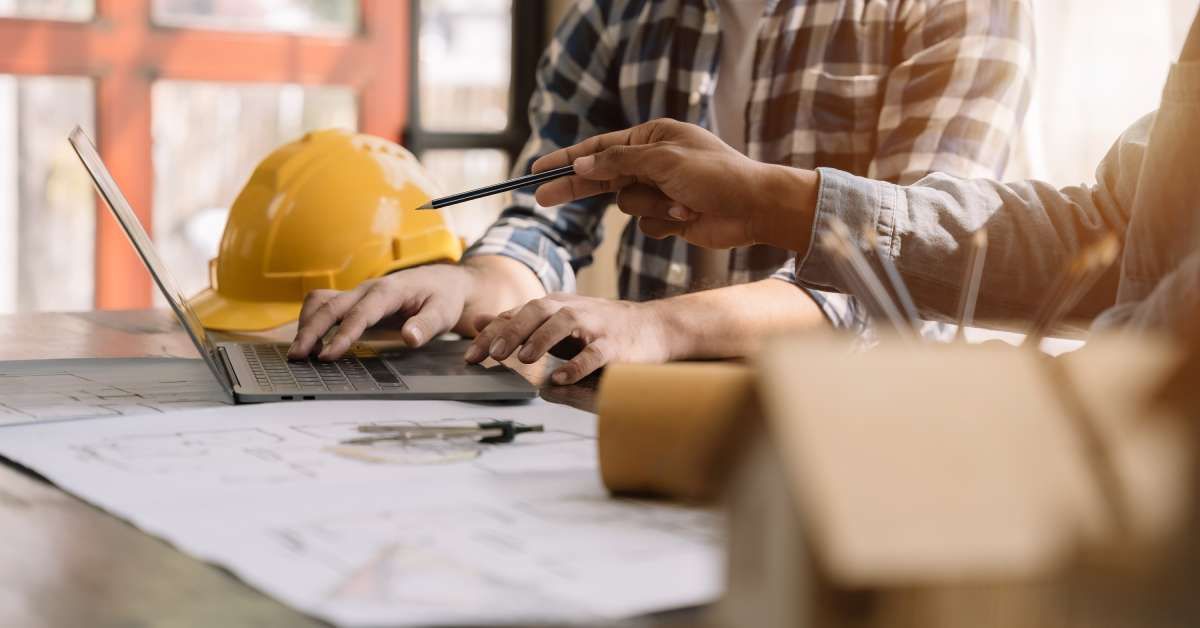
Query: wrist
{"points": [[782, 212], [469, 276], [673, 324], [491, 284], [669, 330], [461, 281]]}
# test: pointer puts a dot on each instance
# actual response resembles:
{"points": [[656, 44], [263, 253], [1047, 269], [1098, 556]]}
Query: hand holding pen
{"points": [[678, 180]]}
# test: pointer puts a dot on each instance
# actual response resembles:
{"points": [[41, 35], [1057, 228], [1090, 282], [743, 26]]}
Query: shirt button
{"points": [[676, 274]]}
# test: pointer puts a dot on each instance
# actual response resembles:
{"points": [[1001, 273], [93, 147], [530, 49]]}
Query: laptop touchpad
{"points": [[437, 358]]}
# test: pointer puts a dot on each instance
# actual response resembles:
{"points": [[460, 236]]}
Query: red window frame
{"points": [[124, 53]]}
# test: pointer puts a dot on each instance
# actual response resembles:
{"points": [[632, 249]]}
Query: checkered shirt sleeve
{"points": [[573, 101]]}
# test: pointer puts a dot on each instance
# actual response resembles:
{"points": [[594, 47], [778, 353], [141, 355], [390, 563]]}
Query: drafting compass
{"points": [[488, 432]]}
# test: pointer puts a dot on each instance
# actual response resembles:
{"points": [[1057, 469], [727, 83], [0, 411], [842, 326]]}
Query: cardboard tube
{"points": [[669, 430]]}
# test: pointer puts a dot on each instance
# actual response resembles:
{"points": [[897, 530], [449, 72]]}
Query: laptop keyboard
{"points": [[359, 371]]}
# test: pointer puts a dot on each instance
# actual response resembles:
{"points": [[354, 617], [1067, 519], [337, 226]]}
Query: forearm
{"points": [[1171, 304], [732, 322], [1033, 229], [497, 284]]}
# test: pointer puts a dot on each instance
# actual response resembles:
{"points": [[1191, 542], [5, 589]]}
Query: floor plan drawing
{"points": [[457, 533], [295, 452], [474, 559], [55, 390], [234, 455]]}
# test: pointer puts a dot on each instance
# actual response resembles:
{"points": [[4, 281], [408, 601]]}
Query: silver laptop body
{"points": [[253, 372]]}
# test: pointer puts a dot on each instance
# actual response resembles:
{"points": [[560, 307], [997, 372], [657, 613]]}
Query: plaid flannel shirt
{"points": [[889, 89]]}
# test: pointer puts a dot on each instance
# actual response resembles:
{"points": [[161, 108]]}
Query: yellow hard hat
{"points": [[329, 210]]}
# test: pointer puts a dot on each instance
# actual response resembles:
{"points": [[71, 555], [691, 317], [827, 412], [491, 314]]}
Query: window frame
{"points": [[124, 52], [528, 42]]}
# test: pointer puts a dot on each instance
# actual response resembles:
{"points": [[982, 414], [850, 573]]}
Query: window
{"points": [[66, 10], [307, 17], [47, 213], [474, 63], [464, 55], [1103, 68], [250, 73]]}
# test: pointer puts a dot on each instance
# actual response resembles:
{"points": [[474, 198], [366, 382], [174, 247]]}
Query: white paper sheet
{"points": [[441, 533], [53, 390]]}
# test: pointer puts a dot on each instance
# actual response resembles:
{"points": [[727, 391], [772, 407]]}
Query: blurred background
{"points": [[184, 97]]}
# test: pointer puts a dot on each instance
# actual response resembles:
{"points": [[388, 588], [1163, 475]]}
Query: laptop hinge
{"points": [[227, 364]]}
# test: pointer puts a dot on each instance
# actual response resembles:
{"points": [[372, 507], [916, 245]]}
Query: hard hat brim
{"points": [[221, 313]]}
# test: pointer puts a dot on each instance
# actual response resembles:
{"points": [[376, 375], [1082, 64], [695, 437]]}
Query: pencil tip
{"points": [[427, 206]]}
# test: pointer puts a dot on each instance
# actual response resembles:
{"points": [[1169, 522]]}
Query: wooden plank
{"points": [[124, 38]]}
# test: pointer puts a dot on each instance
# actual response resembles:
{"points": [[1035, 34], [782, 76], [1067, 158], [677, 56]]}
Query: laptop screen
{"points": [[145, 248]]}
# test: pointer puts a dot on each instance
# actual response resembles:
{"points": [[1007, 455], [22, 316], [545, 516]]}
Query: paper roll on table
{"points": [[670, 430]]}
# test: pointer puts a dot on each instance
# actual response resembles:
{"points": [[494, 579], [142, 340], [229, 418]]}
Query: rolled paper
{"points": [[671, 430]]}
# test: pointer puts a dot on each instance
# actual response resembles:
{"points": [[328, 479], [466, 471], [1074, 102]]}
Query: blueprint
{"points": [[53, 390], [426, 533]]}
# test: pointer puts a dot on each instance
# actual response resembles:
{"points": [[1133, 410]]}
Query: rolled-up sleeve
{"points": [[843, 311], [1033, 229]]}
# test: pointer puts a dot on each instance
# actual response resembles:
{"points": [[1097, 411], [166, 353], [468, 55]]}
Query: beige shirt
{"points": [[727, 113]]}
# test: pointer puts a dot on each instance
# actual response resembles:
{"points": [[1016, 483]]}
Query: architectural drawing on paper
{"points": [[394, 558], [519, 532], [506, 556], [237, 456], [670, 519], [49, 390], [294, 452], [427, 452], [421, 452]]}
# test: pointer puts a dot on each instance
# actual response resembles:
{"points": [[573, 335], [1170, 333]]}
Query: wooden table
{"points": [[65, 563]]}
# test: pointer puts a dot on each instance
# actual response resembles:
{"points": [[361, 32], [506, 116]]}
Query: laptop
{"points": [[259, 372]]}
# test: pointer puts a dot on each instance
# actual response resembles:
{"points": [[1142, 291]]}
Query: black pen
{"points": [[511, 184]]}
